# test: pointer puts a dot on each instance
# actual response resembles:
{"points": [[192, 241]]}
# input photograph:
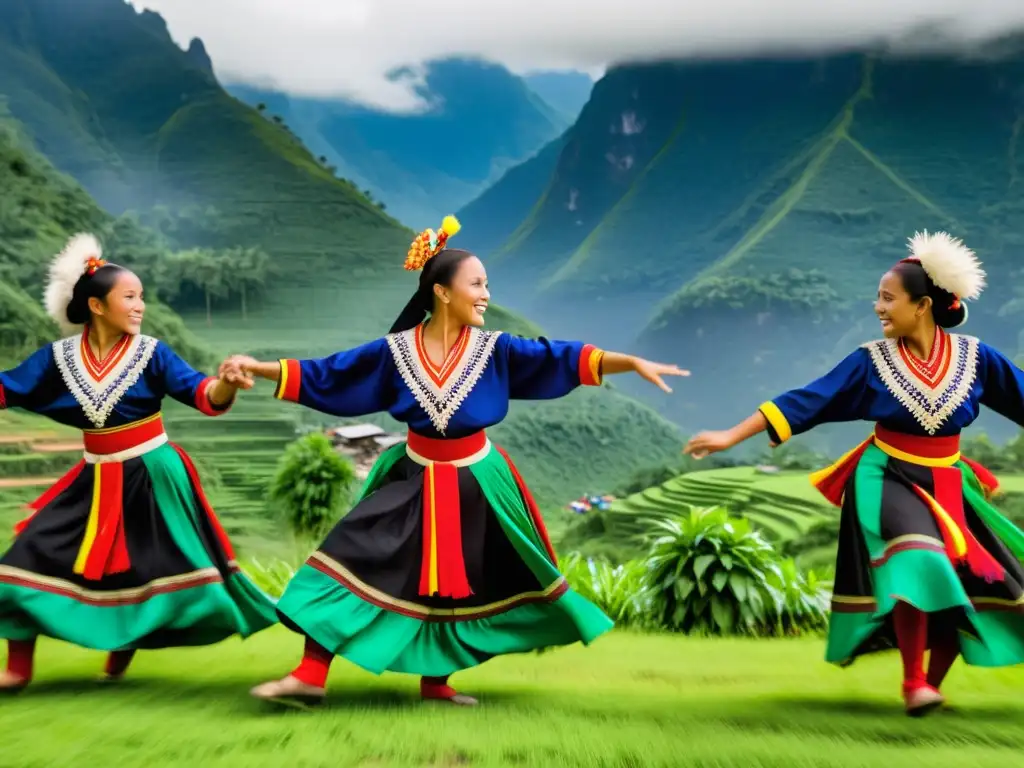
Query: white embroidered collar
{"points": [[440, 397], [930, 406], [98, 398]]}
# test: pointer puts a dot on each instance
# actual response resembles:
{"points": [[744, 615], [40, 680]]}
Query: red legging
{"points": [[21, 659], [911, 627]]}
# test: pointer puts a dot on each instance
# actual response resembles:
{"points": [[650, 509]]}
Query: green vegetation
{"points": [[709, 573], [783, 505], [312, 488]]}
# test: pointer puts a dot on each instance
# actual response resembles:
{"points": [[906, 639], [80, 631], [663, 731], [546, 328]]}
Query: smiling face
{"points": [[467, 296], [899, 312], [123, 307]]}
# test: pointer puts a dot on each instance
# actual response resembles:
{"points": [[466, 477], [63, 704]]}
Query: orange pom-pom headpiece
{"points": [[93, 264], [429, 243]]}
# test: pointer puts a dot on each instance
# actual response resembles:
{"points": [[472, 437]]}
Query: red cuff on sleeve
{"points": [[203, 403], [290, 383], [3, 398], [590, 365]]}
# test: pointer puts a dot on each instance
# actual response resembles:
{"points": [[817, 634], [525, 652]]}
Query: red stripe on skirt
{"points": [[531, 505], [50, 494], [949, 495], [109, 551], [222, 537]]}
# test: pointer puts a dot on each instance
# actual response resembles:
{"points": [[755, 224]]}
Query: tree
{"points": [[207, 272], [312, 487], [248, 270]]}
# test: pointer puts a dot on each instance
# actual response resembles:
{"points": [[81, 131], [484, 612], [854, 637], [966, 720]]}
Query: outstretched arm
{"points": [[354, 382], [541, 369], [839, 395], [616, 362], [23, 386]]}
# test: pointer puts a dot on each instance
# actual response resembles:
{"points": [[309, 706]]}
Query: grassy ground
{"points": [[626, 701]]}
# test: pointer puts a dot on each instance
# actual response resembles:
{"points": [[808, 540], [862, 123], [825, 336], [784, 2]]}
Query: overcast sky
{"points": [[345, 47]]}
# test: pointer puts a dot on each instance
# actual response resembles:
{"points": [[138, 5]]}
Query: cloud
{"points": [[344, 48]]}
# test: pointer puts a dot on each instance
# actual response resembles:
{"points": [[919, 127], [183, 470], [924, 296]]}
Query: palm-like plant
{"points": [[618, 590], [712, 574]]}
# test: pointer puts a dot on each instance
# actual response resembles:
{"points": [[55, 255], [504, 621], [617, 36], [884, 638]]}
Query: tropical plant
{"points": [[618, 590], [805, 600], [312, 486], [712, 574]]}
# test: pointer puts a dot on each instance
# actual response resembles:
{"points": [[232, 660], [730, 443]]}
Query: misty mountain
{"points": [[735, 216], [565, 90], [482, 120]]}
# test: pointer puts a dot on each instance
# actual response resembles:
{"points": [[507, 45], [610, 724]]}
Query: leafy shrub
{"points": [[312, 486], [712, 574], [618, 590]]}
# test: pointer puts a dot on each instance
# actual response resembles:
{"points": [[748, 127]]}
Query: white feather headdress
{"points": [[65, 270], [950, 264]]}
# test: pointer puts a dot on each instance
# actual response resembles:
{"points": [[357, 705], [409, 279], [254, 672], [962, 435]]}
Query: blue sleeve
{"points": [[839, 395], [1002, 384], [184, 383], [541, 369], [23, 386], [354, 382]]}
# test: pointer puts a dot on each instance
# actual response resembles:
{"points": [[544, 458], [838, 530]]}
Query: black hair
{"points": [[439, 270], [946, 309], [95, 286]]}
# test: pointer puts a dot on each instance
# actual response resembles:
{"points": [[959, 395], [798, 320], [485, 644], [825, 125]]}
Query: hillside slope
{"points": [[482, 120], [111, 100], [712, 213]]}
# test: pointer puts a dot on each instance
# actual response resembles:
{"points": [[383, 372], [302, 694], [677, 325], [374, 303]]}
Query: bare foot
{"points": [[289, 691], [11, 683], [921, 701]]}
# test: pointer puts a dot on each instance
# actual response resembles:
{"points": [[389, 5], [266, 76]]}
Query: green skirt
{"points": [[166, 578], [893, 547], [359, 595]]}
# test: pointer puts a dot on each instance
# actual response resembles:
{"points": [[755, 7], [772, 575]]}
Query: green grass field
{"points": [[626, 701]]}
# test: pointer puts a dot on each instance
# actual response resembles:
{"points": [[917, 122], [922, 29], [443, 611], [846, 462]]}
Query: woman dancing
{"points": [[924, 560], [444, 562], [124, 551]]}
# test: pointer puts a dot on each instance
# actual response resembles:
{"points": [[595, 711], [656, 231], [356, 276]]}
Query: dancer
{"points": [[924, 559], [444, 562], [124, 551]]}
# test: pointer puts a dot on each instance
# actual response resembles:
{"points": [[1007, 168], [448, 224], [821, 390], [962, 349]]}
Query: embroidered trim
{"points": [[930, 406], [441, 402], [98, 402]]}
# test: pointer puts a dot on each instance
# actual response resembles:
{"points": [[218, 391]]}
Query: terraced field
{"points": [[784, 505]]}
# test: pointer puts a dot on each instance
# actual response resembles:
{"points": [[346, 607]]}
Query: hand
{"points": [[234, 372], [654, 371], [705, 443]]}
